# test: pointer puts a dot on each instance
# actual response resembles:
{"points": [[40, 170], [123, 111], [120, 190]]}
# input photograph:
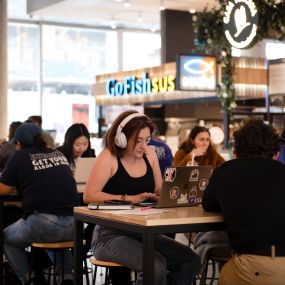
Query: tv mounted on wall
{"points": [[196, 72]]}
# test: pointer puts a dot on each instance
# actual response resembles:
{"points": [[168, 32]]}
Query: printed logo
{"points": [[170, 174], [199, 66], [194, 175], [240, 23], [203, 184], [174, 192], [182, 199]]}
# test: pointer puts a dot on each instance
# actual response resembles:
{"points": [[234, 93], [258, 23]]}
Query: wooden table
{"points": [[178, 220]]}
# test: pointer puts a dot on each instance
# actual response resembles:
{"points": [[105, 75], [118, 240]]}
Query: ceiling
{"points": [[104, 13]]}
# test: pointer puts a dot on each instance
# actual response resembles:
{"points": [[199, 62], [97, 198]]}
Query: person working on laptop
{"points": [[76, 144], [45, 182], [249, 191], [127, 169], [197, 149]]}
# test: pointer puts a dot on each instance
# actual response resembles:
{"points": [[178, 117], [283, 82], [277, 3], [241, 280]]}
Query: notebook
{"points": [[184, 186], [83, 167], [111, 205]]}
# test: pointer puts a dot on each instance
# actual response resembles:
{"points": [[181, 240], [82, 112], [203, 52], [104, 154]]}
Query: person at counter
{"points": [[249, 191], [44, 180], [197, 149], [127, 169]]}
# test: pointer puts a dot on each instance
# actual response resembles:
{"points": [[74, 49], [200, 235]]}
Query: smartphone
{"points": [[146, 204]]}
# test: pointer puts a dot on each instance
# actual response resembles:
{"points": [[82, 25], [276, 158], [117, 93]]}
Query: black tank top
{"points": [[122, 183]]}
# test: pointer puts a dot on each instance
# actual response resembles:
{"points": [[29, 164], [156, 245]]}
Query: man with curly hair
{"points": [[249, 191]]}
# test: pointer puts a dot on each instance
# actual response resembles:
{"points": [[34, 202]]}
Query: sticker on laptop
{"points": [[193, 192], [174, 192], [203, 184], [170, 174], [182, 199], [194, 175], [195, 200]]}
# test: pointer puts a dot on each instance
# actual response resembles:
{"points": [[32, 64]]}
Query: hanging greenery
{"points": [[210, 38]]}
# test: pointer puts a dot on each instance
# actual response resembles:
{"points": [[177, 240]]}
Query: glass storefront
{"points": [[52, 69]]}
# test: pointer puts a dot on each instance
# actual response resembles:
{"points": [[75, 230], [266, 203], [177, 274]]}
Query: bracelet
{"points": [[123, 197]]}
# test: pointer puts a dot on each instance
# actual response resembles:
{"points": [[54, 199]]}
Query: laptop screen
{"points": [[83, 167]]}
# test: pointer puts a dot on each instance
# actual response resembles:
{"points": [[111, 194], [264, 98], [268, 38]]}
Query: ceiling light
{"points": [[161, 6], [127, 4], [113, 24], [140, 19], [192, 11], [118, 0]]}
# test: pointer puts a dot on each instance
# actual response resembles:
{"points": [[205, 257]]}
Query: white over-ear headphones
{"points": [[120, 138]]}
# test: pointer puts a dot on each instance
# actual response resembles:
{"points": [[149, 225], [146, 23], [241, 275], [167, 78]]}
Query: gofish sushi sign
{"points": [[135, 86], [240, 23]]}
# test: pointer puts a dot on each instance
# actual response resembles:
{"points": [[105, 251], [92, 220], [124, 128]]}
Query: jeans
{"points": [[174, 263], [38, 227]]}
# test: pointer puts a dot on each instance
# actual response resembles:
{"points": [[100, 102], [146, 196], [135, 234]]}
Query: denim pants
{"points": [[38, 227], [174, 263]]}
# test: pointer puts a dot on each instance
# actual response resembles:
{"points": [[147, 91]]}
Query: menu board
{"points": [[196, 72], [276, 76]]}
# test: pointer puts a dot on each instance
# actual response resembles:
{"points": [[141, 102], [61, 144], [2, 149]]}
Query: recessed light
{"points": [[127, 4]]}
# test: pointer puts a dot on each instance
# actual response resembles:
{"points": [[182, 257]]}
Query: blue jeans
{"points": [[37, 227], [174, 263]]}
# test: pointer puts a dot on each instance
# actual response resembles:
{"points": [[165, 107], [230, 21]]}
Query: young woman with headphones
{"points": [[127, 169]]}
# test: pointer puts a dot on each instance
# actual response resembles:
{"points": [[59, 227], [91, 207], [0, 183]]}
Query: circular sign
{"points": [[240, 23], [217, 135]]}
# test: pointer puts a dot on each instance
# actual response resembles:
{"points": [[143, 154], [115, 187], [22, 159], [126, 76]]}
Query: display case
{"points": [[276, 111]]}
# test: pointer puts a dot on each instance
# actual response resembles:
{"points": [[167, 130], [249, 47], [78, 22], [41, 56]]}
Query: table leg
{"points": [[78, 242], [148, 257]]}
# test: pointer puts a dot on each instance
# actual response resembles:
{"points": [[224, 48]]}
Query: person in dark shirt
{"points": [[249, 191], [8, 149], [44, 180], [127, 169], [163, 151]]}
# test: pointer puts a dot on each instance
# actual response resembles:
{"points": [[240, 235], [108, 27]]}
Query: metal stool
{"points": [[106, 265], [54, 246], [218, 255]]}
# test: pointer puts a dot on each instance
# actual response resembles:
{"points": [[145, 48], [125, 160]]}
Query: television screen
{"points": [[196, 72]]}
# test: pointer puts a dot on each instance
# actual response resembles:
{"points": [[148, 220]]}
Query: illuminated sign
{"points": [[196, 72], [145, 85], [240, 23]]}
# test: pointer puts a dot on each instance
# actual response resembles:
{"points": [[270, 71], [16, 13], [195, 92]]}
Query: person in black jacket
{"points": [[249, 190]]}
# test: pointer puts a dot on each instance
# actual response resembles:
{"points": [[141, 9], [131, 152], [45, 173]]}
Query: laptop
{"points": [[184, 186], [83, 167]]}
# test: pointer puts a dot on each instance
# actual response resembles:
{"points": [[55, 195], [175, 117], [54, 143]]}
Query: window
{"points": [[140, 50]]}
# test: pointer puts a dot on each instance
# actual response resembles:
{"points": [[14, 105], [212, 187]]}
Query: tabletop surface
{"points": [[179, 215]]}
